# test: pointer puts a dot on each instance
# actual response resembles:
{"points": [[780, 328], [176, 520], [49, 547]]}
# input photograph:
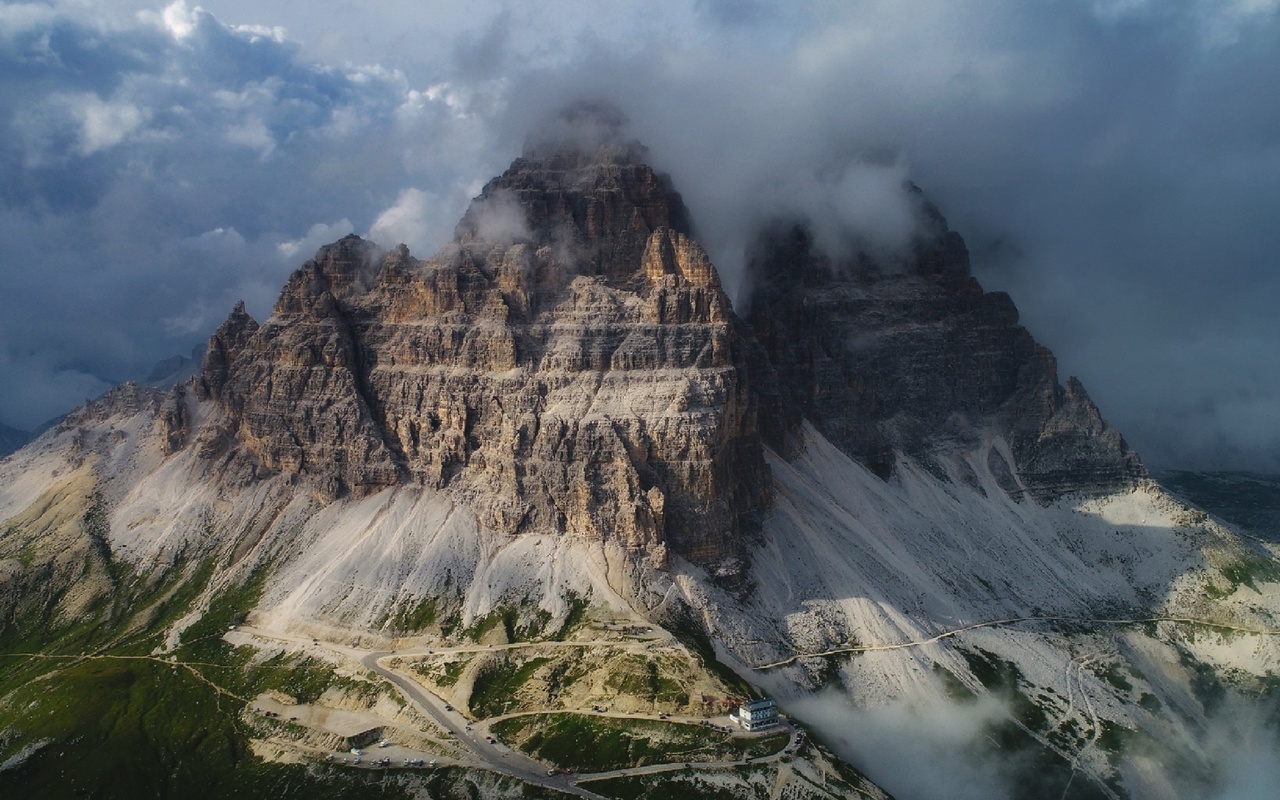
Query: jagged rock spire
{"points": [[226, 344]]}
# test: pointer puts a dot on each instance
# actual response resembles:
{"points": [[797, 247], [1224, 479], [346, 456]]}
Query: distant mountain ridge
{"points": [[11, 439], [175, 369], [1248, 499]]}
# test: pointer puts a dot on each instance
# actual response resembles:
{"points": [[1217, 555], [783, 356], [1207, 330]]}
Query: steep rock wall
{"points": [[914, 357], [570, 363]]}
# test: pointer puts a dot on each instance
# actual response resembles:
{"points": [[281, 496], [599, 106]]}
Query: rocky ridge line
{"points": [[570, 363]]}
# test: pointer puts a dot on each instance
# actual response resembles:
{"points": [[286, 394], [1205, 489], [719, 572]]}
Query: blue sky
{"points": [[1114, 165]]}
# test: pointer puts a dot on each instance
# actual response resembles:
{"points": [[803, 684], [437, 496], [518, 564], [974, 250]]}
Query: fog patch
{"points": [[860, 208], [1244, 747], [416, 219], [929, 752], [583, 124], [497, 218], [1250, 774]]}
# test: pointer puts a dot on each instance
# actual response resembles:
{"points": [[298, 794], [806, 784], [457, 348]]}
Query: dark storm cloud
{"points": [[484, 55], [1115, 165], [155, 173]]}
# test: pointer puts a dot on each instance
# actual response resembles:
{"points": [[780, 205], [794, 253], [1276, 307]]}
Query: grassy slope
{"points": [[586, 743], [120, 723], [118, 728]]}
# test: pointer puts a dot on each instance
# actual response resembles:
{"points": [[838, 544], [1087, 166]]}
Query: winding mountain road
{"points": [[506, 761], [495, 757]]}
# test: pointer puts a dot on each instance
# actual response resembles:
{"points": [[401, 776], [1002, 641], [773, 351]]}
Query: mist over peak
{"points": [[592, 130]]}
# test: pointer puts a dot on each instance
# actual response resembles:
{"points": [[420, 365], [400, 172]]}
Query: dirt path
{"points": [[189, 666], [877, 648]]}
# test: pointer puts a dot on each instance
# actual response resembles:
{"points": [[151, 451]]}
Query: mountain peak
{"points": [[226, 344], [597, 208], [582, 133], [572, 365], [569, 366], [919, 361]]}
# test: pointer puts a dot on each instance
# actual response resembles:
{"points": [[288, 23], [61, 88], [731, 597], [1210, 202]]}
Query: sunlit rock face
{"points": [[568, 363]]}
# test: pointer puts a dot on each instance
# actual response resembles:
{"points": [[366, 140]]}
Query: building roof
{"points": [[757, 705]]}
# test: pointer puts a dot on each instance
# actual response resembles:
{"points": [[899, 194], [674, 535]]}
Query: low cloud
{"points": [[922, 753], [417, 219], [947, 750], [316, 236], [859, 207], [1246, 754], [497, 218]]}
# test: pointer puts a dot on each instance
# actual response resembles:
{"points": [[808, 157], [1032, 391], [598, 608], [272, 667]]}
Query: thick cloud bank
{"points": [[971, 750], [156, 170], [1114, 165]]}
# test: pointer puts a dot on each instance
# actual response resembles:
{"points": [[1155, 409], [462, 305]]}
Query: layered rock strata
{"points": [[569, 363]]}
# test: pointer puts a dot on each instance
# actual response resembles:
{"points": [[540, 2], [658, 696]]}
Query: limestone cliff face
{"points": [[293, 388], [917, 359], [570, 364]]}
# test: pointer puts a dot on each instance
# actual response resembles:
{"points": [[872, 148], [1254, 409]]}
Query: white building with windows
{"points": [[754, 715]]}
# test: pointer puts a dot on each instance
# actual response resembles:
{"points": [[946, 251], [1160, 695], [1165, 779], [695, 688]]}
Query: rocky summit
{"points": [[570, 363], [912, 357]]}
